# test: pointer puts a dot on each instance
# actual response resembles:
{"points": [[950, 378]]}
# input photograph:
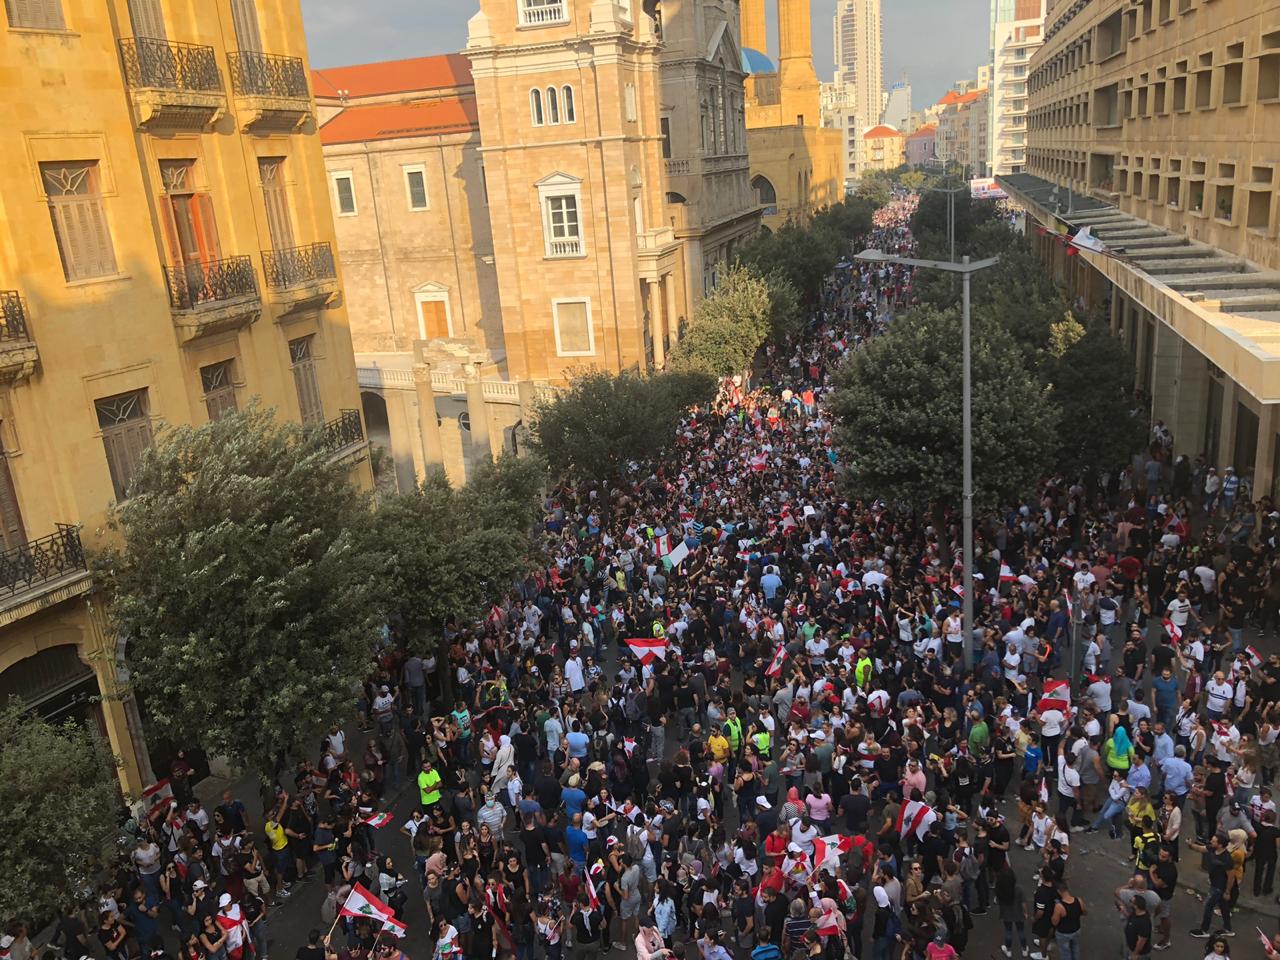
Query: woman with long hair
{"points": [[1012, 904]]}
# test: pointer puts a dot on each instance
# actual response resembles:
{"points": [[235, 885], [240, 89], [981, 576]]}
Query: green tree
{"points": [[875, 187], [785, 318], [732, 322], [59, 813], [899, 416], [242, 587], [443, 552], [592, 430]]}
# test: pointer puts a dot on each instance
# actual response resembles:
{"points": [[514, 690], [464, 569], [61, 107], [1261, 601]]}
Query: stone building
{"points": [[1017, 31], [168, 249], [1157, 124], [886, 148]]}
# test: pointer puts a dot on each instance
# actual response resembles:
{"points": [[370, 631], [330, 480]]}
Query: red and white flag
{"points": [[1255, 658], [378, 820], [1056, 696], [361, 903], [827, 851], [157, 797], [662, 544], [1006, 575], [914, 816], [1172, 629], [958, 590], [232, 921], [394, 927], [775, 665], [1066, 598], [629, 745], [647, 649], [592, 896]]}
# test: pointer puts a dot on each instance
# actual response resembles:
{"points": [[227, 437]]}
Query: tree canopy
{"points": [[60, 811], [592, 430], [243, 587], [731, 323]]}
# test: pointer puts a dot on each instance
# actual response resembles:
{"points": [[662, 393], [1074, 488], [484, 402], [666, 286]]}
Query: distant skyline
{"points": [[937, 42]]}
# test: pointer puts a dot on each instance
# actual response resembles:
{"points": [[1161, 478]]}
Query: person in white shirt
{"points": [[1179, 609], [1069, 790], [573, 672], [1218, 694]]}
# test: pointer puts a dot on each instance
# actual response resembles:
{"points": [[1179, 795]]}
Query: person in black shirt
{"points": [[1264, 855], [313, 950], [854, 807], [1137, 930], [587, 926], [775, 916], [1217, 863], [1163, 879]]}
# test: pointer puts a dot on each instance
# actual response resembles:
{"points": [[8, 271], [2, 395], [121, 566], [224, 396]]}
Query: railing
{"points": [[161, 64], [501, 391], [732, 161], [40, 561], [534, 14], [267, 75], [13, 317], [566, 248], [342, 431], [678, 168], [305, 264], [214, 281]]}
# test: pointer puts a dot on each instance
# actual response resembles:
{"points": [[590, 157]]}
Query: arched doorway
{"points": [[377, 425], [56, 684], [766, 195]]}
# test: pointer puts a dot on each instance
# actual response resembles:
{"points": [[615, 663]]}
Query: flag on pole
{"points": [[596, 868], [361, 903], [1085, 239], [779, 658], [1056, 696], [662, 544], [914, 816], [1071, 610], [1006, 575], [827, 851], [378, 820], [1255, 658], [647, 649], [676, 556], [1172, 629], [394, 927]]}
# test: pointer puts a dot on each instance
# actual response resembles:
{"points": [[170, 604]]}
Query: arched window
{"points": [[567, 93], [553, 105], [766, 196], [535, 106]]}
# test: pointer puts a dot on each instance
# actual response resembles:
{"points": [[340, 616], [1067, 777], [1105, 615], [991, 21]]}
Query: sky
{"points": [[937, 42]]}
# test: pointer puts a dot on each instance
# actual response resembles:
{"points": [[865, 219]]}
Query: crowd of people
{"points": [[731, 717]]}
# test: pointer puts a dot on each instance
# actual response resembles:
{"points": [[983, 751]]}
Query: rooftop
{"points": [[390, 121], [450, 70], [880, 132], [754, 62], [927, 130]]}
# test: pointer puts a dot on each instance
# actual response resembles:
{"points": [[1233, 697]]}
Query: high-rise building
{"points": [[168, 245], [897, 110], [859, 53], [1156, 124], [1017, 31]]}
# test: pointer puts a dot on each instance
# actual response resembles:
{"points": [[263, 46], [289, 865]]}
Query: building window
{"points": [[35, 14], [274, 196], [574, 334], [303, 363], [632, 108], [219, 391], [74, 193], [566, 104], [766, 195], [538, 13], [535, 107], [553, 106], [125, 423], [665, 124], [344, 193], [563, 231], [415, 186]]}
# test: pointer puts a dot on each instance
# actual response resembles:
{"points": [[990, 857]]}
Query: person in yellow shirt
{"points": [[718, 745], [428, 786], [278, 841]]}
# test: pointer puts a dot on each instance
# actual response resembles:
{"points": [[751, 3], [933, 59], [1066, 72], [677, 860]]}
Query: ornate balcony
{"points": [[213, 296], [271, 91], [342, 435], [173, 86], [38, 574], [301, 278], [18, 353]]}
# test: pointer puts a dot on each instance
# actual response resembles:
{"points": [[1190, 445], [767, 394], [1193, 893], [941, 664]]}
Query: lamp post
{"points": [[951, 213], [966, 269]]}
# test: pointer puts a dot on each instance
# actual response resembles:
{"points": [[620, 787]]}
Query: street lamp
{"points": [[951, 213], [966, 269]]}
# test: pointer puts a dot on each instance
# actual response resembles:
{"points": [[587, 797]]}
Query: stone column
{"points": [[528, 392], [673, 312], [477, 413], [428, 427], [1227, 431], [1192, 397], [1115, 311], [653, 294], [1164, 373], [1263, 470]]}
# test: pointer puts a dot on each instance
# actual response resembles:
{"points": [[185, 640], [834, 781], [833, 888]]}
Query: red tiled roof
{"points": [[394, 76], [880, 132], [928, 130], [949, 98], [388, 121]]}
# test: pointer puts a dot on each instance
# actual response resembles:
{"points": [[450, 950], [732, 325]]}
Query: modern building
{"points": [[1157, 124], [886, 148], [797, 165], [858, 33], [837, 109], [921, 148], [1017, 31], [897, 110], [168, 246]]}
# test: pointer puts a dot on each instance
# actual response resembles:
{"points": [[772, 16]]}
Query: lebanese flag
{"points": [[647, 649], [236, 929], [378, 820], [662, 544], [779, 658], [394, 927], [157, 797], [880, 620], [1172, 629], [597, 867], [958, 590], [759, 463], [629, 744], [1255, 658], [1056, 696], [1006, 575], [827, 851], [362, 903], [914, 816], [1071, 610]]}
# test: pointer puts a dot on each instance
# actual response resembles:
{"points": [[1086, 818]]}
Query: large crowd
{"points": [[730, 717]]}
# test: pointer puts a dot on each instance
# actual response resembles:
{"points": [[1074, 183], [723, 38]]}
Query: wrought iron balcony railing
{"points": [[165, 65], [267, 75], [13, 317], [215, 281], [342, 431], [305, 264], [28, 566]]}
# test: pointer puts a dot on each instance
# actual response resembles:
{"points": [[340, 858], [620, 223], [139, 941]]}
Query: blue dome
{"points": [[753, 61]]}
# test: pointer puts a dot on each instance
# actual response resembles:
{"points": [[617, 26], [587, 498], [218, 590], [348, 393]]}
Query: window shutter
{"points": [[11, 529], [168, 220], [147, 18], [35, 14], [206, 227], [244, 14]]}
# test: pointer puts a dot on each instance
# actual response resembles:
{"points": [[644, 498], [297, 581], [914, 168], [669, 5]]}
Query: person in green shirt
{"points": [[428, 786], [979, 735]]}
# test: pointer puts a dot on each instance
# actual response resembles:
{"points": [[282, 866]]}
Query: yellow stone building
{"points": [[167, 253], [797, 165], [886, 148]]}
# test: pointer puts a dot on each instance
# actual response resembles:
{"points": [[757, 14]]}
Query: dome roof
{"points": [[753, 61]]}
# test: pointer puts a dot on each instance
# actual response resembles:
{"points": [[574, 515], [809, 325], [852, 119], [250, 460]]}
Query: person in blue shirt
{"points": [[1177, 774], [142, 914], [577, 741], [770, 584], [573, 796], [1032, 758], [1165, 689], [575, 839]]}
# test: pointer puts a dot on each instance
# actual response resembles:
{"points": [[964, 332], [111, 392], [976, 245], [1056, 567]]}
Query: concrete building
{"points": [[921, 147], [962, 131], [169, 245], [886, 148], [1155, 124], [1017, 31], [797, 166], [837, 110], [897, 110], [858, 34]]}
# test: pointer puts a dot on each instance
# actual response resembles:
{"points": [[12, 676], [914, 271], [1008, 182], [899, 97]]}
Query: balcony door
{"points": [[12, 534], [244, 14], [191, 228], [147, 18], [271, 170]]}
